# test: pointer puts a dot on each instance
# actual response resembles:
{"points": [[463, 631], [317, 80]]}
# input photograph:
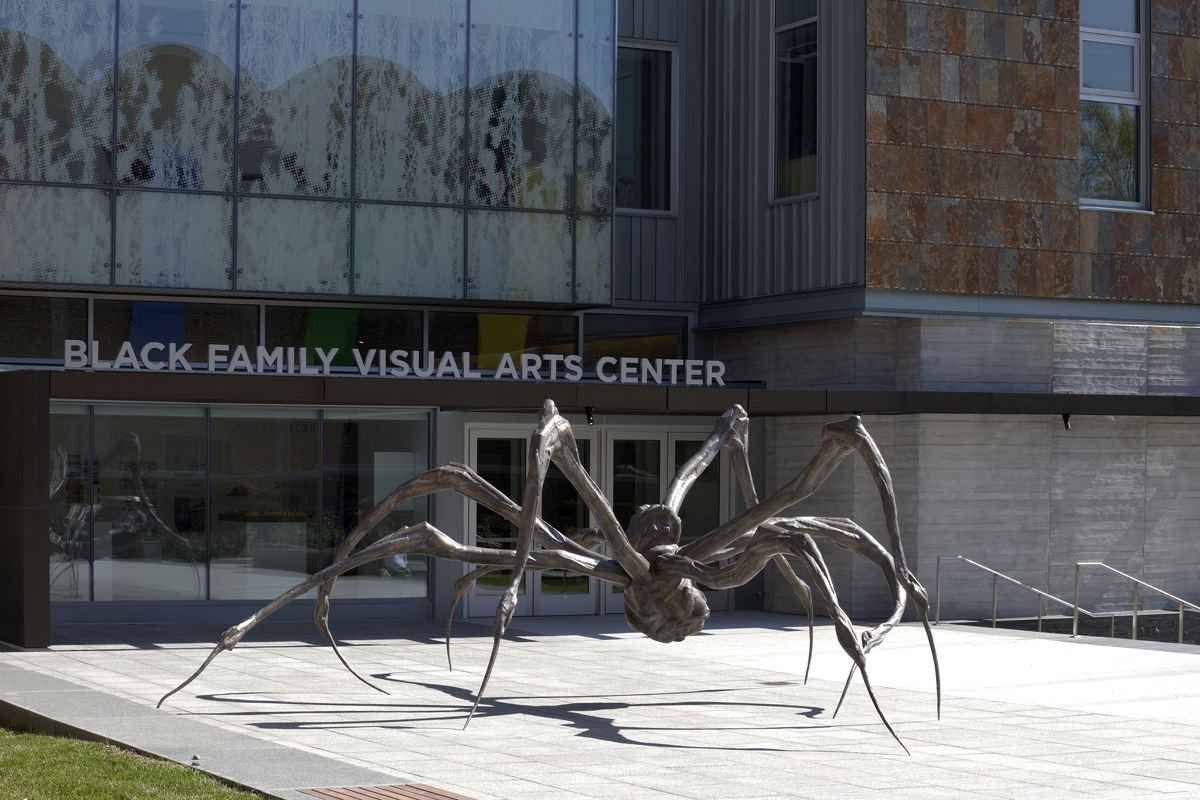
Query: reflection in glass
{"points": [[343, 328], [264, 501], [55, 235], [174, 239], [500, 462], [522, 93], [176, 111], [56, 59], [594, 126], [593, 259], [411, 75], [71, 503], [294, 123], [149, 503], [789, 11], [796, 111], [644, 128], [408, 251], [1105, 65], [563, 510], [488, 336], [201, 324], [293, 246], [35, 327], [701, 509], [519, 256], [636, 476], [1108, 151], [633, 335], [367, 454], [1115, 15]]}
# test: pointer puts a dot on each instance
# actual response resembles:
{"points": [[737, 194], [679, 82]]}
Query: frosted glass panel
{"points": [[519, 256], [293, 246], [294, 127], [182, 240], [593, 260], [595, 124], [176, 111], [413, 251], [522, 92], [411, 74], [56, 90], [55, 235]]}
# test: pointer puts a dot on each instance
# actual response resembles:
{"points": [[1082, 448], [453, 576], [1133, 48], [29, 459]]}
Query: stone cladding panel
{"points": [[973, 155]]}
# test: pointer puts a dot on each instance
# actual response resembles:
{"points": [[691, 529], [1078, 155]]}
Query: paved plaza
{"points": [[580, 707]]}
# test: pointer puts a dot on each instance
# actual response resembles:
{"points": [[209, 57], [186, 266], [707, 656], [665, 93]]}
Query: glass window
{"points": [[71, 503], [201, 324], [343, 328], [175, 116], [35, 327], [795, 98], [644, 135], [633, 335], [519, 256], [408, 251], [294, 123], [149, 503], [174, 240], [594, 122], [293, 246], [411, 76], [55, 234], [521, 147], [264, 501], [366, 455], [1111, 125], [488, 336], [56, 60]]}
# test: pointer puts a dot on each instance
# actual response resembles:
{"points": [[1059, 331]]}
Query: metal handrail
{"points": [[1042, 596], [1076, 608], [1137, 586]]}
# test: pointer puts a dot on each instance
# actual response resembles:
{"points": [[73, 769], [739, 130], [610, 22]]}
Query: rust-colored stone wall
{"points": [[973, 155]]}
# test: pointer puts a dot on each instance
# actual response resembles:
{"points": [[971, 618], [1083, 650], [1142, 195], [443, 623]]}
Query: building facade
{"points": [[264, 261]]}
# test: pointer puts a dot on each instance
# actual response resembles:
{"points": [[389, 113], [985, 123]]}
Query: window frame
{"points": [[776, 29], [672, 49], [1139, 98]]}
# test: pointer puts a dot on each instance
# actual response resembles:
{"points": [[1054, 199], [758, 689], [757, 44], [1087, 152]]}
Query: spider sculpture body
{"points": [[659, 576]]}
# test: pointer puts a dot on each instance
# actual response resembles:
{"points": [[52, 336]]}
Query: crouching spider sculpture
{"points": [[659, 576]]}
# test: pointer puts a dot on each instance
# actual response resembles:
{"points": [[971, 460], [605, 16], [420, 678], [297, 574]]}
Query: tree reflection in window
{"points": [[1108, 150]]}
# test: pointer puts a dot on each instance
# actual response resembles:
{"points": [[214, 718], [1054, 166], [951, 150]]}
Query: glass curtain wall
{"points": [[184, 503], [427, 149]]}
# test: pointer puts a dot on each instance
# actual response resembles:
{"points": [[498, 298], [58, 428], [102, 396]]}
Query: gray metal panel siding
{"points": [[656, 258], [657, 20], [754, 248]]}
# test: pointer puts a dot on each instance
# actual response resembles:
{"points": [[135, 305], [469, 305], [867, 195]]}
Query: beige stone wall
{"points": [[1019, 494], [973, 155]]}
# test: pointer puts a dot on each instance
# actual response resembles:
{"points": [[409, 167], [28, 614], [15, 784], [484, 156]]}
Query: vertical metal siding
{"points": [[754, 248]]}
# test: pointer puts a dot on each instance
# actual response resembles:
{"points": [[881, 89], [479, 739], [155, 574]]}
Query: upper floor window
{"points": [[1112, 143], [644, 128], [795, 97]]}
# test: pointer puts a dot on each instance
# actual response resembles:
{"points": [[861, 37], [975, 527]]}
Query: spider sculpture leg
{"points": [[420, 539], [795, 536], [838, 440], [731, 432], [453, 478]]}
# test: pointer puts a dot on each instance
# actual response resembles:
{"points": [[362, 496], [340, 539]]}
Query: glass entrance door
{"points": [[501, 459], [640, 469]]}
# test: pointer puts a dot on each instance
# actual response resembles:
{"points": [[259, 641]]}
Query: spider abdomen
{"points": [[667, 610]]}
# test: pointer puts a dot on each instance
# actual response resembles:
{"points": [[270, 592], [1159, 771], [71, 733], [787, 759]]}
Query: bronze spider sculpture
{"points": [[659, 576]]}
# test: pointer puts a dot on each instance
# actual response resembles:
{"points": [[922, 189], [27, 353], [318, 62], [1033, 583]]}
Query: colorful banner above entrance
{"points": [[382, 363]]}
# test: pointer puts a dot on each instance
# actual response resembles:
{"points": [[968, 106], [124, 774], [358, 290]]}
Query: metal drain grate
{"points": [[407, 791]]}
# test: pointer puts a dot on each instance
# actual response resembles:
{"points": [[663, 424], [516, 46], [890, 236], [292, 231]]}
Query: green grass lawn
{"points": [[34, 767]]}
